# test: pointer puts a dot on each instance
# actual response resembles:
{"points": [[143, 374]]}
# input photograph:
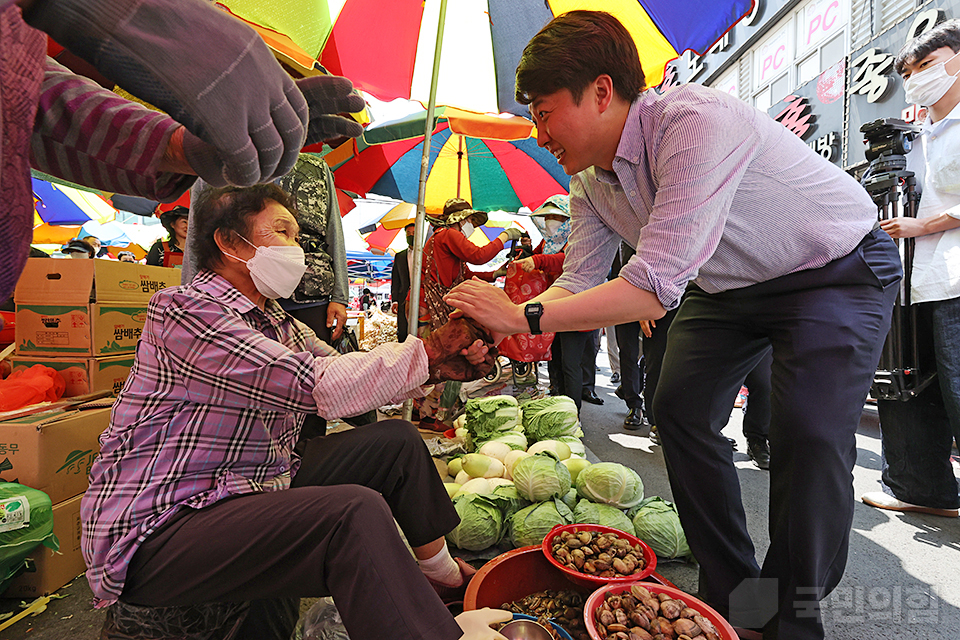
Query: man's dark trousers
{"points": [[826, 327], [631, 377]]}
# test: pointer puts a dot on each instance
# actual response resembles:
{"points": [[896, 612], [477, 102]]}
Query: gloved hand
{"points": [[444, 346], [326, 96], [513, 233], [207, 70], [476, 624]]}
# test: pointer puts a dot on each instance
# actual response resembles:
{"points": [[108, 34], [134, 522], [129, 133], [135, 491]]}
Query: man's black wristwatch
{"points": [[533, 311]]}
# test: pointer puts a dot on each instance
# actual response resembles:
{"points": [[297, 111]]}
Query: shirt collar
{"points": [[220, 288], [932, 127], [630, 147]]}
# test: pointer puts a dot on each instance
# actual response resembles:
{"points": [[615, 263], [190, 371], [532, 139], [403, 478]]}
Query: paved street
{"points": [[902, 580]]}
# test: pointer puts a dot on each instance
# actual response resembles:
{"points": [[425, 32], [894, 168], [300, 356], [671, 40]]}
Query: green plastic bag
{"points": [[26, 522]]}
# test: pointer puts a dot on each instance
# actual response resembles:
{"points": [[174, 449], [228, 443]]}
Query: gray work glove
{"points": [[325, 95], [207, 70], [513, 233]]}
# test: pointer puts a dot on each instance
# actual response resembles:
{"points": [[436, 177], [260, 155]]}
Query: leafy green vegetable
{"points": [[610, 483], [551, 418], [531, 525], [657, 523], [509, 500], [576, 445], [602, 514], [480, 522], [541, 477], [513, 439], [489, 417], [570, 498]]}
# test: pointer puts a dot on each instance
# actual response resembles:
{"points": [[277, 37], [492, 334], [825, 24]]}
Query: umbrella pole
{"points": [[419, 228]]}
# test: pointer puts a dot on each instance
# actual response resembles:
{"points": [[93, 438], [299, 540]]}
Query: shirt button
{"points": [[633, 194]]}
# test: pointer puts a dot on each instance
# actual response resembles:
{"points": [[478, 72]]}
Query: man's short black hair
{"points": [[410, 226], [229, 210], [945, 34], [573, 50]]}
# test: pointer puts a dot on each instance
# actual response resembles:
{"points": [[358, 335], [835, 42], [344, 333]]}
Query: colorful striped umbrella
{"points": [[488, 160], [387, 48]]}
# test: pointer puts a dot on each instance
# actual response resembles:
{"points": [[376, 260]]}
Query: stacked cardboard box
{"points": [[84, 318], [52, 452]]}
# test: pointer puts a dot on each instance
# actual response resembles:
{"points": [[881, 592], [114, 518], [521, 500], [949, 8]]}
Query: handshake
{"points": [[453, 352]]}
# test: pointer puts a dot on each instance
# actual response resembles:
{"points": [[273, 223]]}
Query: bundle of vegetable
{"points": [[541, 477], [610, 483], [657, 523], [490, 417], [480, 525], [593, 513], [509, 500], [551, 418], [531, 525]]}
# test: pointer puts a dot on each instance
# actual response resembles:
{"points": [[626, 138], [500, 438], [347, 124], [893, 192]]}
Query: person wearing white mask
{"points": [[198, 503], [446, 255], [918, 434]]}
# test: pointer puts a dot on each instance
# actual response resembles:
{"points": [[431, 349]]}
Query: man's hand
{"points": [[394, 308], [336, 319], [476, 624], [488, 305], [647, 326], [903, 227], [526, 264]]}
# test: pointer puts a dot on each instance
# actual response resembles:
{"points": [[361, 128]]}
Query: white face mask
{"points": [[467, 229], [551, 227], [276, 271], [928, 86]]}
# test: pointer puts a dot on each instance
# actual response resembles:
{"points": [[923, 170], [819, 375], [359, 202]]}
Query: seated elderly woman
{"points": [[197, 500]]}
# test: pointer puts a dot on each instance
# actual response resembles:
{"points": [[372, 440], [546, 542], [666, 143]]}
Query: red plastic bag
{"points": [[30, 386], [521, 286]]}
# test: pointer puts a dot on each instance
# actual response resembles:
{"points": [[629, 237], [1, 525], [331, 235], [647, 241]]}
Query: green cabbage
{"points": [[602, 514], [656, 522], [513, 439], [481, 522], [488, 417], [541, 477], [610, 483], [570, 498], [530, 525], [509, 500], [576, 445], [550, 419]]}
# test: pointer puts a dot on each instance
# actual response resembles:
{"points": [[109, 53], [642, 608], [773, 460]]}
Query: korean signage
{"points": [[874, 88], [814, 112]]}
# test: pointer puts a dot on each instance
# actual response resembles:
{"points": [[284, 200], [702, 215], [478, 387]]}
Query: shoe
{"points": [[654, 434], [880, 500], [634, 420], [615, 378], [619, 392], [591, 397], [759, 452], [432, 424], [449, 594], [733, 443]]}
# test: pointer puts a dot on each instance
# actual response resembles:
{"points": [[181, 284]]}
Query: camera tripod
{"points": [[898, 376]]}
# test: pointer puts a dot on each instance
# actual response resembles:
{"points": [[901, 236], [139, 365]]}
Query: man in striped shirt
{"points": [[773, 246]]}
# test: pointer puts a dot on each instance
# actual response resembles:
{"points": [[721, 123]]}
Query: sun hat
{"points": [[455, 210]]}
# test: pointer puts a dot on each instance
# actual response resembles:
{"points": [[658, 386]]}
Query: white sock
{"points": [[442, 568]]}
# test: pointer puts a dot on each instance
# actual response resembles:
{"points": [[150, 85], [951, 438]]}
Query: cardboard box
{"points": [[84, 375], [84, 307], [51, 570], [78, 282], [99, 329], [52, 451]]}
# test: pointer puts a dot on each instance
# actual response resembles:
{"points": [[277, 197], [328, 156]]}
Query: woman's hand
{"points": [[526, 264]]}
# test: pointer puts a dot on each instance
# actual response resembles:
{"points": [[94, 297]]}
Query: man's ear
{"points": [[603, 92]]}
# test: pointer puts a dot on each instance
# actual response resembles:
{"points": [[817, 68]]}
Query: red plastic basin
{"points": [[514, 575], [649, 557]]}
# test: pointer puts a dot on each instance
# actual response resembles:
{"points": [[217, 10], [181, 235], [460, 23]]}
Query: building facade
{"points": [[823, 68]]}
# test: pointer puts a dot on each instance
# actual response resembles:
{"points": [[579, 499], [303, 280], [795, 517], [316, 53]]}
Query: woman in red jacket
{"points": [[445, 258]]}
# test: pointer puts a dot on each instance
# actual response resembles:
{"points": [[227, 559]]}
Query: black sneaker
{"points": [[654, 434], [615, 378], [634, 420], [759, 452]]}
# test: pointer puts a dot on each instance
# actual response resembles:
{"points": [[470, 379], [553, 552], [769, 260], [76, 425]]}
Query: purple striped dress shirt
{"points": [[710, 190]]}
